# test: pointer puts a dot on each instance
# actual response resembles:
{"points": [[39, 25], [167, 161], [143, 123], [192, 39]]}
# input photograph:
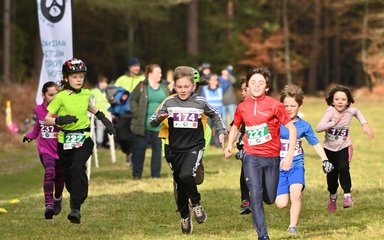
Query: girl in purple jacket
{"points": [[47, 149]]}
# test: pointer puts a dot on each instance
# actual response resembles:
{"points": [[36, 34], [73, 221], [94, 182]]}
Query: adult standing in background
{"points": [[145, 99], [101, 103], [128, 81], [132, 77], [229, 98]]}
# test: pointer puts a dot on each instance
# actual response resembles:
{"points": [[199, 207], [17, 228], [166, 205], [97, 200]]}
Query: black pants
{"points": [[340, 161], [184, 165], [124, 134], [243, 185], [74, 162]]}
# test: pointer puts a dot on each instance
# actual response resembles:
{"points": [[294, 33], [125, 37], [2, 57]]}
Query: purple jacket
{"points": [[46, 135]]}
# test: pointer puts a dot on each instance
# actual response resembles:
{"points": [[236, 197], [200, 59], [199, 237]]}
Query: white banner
{"points": [[55, 23]]}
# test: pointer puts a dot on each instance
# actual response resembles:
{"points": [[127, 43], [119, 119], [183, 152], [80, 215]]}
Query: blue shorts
{"points": [[287, 178]]}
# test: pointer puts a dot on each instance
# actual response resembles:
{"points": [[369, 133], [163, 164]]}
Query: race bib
{"points": [[284, 146], [73, 140], [47, 131], [337, 134], [185, 119], [258, 134]]}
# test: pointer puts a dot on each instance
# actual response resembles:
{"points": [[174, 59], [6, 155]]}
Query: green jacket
{"points": [[139, 104], [129, 82]]}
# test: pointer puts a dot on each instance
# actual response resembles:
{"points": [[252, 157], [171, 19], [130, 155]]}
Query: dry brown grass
{"points": [[22, 97]]}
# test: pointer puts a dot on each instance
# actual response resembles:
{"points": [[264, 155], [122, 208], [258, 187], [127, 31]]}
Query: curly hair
{"points": [[339, 88]]}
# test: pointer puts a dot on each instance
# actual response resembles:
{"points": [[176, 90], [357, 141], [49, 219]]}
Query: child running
{"points": [[262, 116], [47, 149], [71, 105], [186, 141], [337, 144], [291, 182], [245, 207]]}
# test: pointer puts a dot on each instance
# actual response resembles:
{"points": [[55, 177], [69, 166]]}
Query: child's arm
{"points": [[329, 120], [231, 139], [286, 163], [366, 129], [327, 165], [101, 116], [160, 115], [34, 133]]}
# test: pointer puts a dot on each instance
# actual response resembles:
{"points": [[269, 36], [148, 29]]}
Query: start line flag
{"points": [[55, 23]]}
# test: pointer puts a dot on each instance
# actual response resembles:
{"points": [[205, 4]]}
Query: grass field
{"points": [[120, 208]]}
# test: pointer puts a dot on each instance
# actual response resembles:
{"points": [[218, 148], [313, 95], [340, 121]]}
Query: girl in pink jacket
{"points": [[337, 144], [47, 149]]}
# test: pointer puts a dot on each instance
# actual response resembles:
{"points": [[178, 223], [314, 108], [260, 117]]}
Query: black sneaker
{"points": [[74, 216], [186, 225], [199, 213], [245, 207], [49, 212], [57, 206]]}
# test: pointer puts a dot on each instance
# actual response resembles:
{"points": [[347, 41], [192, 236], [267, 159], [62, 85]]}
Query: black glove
{"points": [[327, 166], [67, 119], [240, 154], [108, 124], [26, 140]]}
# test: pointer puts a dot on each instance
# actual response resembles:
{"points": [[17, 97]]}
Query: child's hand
{"points": [[327, 166], [26, 140], [286, 164], [337, 119], [367, 130], [161, 117], [228, 152]]}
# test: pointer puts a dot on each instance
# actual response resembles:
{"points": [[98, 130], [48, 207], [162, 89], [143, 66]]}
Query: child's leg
{"points": [[49, 177], [190, 161], [343, 168], [332, 177], [79, 179], [271, 172], [59, 179], [243, 186], [253, 171]]}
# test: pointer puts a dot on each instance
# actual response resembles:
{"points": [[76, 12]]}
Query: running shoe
{"points": [[199, 213], [49, 212], [332, 204], [292, 230], [347, 202], [245, 207], [74, 216], [57, 205], [186, 225]]}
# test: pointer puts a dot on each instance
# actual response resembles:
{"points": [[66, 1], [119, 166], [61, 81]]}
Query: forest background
{"points": [[312, 43]]}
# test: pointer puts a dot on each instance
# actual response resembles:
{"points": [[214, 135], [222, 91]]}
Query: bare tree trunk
{"points": [[367, 80], [336, 49], [286, 44], [131, 39], [230, 18], [326, 64], [192, 34], [7, 41], [315, 47]]}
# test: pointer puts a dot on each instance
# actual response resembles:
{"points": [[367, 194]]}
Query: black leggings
{"points": [[340, 161], [74, 162]]}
